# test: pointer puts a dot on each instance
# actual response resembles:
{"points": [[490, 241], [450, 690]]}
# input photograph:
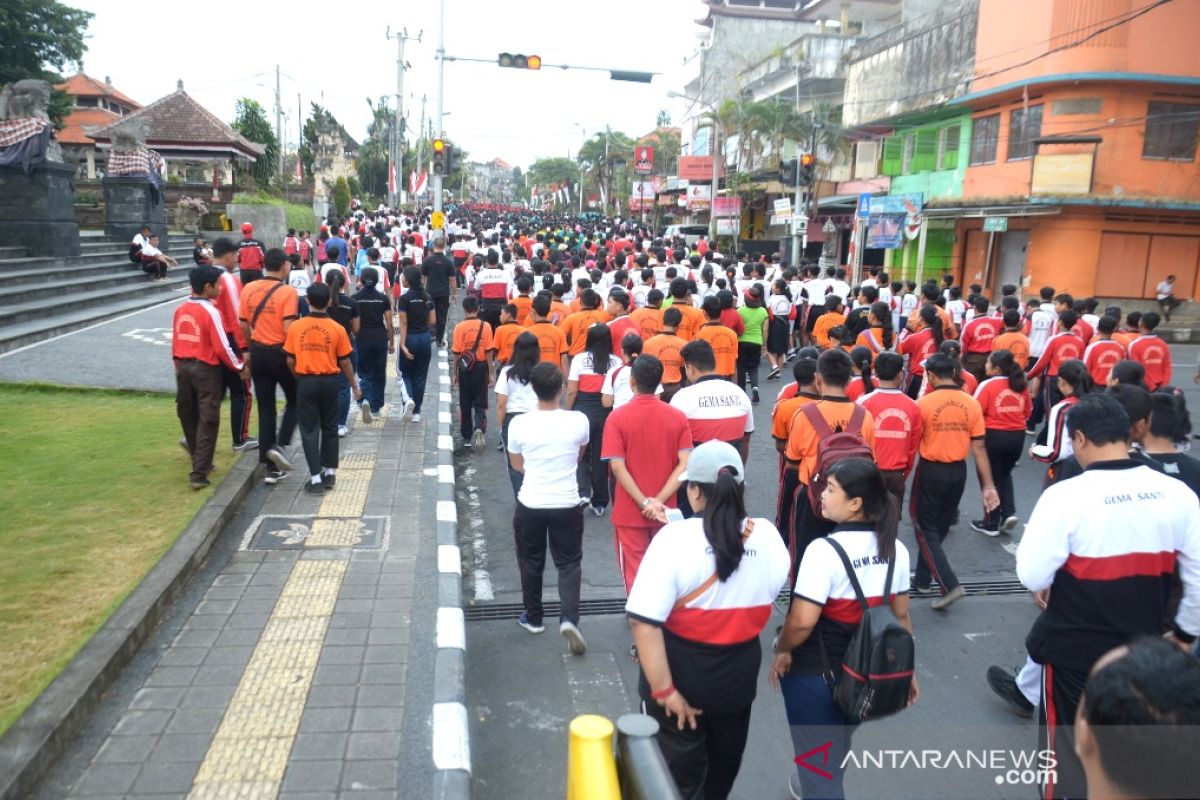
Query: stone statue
{"points": [[130, 135], [130, 156], [30, 99], [829, 248]]}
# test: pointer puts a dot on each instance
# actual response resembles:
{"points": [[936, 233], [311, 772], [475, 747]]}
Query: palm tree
{"points": [[775, 123]]}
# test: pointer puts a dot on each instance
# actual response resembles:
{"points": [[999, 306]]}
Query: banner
{"points": [[643, 188], [890, 216], [643, 159], [699, 197], [727, 207], [696, 168]]}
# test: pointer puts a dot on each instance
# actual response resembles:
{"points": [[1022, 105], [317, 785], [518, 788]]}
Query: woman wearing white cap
{"points": [[702, 596]]}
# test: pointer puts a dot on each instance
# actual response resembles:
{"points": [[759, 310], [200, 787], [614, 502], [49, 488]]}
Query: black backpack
{"points": [[878, 668], [135, 253]]}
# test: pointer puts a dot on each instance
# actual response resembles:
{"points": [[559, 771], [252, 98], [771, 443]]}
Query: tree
{"points": [[251, 121], [354, 186], [36, 35], [319, 118], [341, 196]]}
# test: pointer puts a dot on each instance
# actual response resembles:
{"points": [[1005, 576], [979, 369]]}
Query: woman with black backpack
{"points": [[810, 664]]}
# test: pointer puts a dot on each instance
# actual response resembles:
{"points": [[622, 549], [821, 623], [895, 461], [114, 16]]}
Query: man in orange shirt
{"points": [[693, 317], [558, 309], [952, 426], [722, 339], [1012, 339], [649, 317], [471, 347], [507, 333], [317, 349], [575, 326], [834, 369], [524, 300], [930, 295], [551, 343], [833, 317], [667, 347], [782, 417]]}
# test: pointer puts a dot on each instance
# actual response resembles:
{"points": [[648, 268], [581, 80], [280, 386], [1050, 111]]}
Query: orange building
{"points": [[95, 105], [1085, 119]]}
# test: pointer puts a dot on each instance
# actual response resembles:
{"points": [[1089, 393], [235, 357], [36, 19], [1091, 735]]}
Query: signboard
{"points": [[696, 168], [643, 188], [727, 227], [637, 203], [667, 199], [783, 205], [1062, 173], [888, 218], [780, 219], [439, 220], [995, 224], [864, 204], [699, 197], [643, 159], [727, 207]]}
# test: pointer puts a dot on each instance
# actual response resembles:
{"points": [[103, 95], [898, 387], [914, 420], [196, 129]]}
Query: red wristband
{"points": [[663, 694]]}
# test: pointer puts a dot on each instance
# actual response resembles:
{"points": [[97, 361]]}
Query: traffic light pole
{"points": [[441, 59]]}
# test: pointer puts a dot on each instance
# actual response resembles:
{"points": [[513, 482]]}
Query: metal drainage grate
{"points": [[616, 605]]}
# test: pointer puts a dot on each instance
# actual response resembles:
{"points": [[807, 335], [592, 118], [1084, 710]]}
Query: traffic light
{"points": [[519, 61], [452, 164], [787, 172], [441, 157], [807, 165]]}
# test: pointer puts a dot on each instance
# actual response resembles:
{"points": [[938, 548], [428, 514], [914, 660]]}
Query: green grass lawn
{"points": [[93, 490]]}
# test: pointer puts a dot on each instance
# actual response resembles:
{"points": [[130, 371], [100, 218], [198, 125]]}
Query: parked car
{"points": [[690, 233]]}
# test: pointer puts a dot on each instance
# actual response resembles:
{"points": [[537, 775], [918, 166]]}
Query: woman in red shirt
{"points": [[1004, 398], [920, 346]]}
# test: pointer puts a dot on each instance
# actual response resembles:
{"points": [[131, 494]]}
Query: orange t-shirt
{"points": [[948, 329], [693, 318], [465, 334], [575, 328], [316, 343], [724, 344], [1016, 343], [558, 312], [785, 411], [824, 324], [551, 342], [649, 320], [283, 304], [524, 304], [504, 338], [951, 418], [665, 347], [1124, 337], [803, 440]]}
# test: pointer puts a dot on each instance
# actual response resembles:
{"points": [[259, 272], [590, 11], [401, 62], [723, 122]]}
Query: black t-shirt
{"points": [[344, 312], [438, 271], [199, 256], [415, 306], [1180, 466], [372, 306]]}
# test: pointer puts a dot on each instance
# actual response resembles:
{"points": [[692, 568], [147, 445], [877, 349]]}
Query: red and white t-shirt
{"points": [[716, 409], [898, 426], [1003, 409], [590, 381]]}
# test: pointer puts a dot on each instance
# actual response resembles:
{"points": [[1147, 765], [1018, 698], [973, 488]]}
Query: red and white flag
{"points": [[391, 176], [417, 182]]}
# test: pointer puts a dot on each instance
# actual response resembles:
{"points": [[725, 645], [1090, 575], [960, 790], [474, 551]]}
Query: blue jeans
{"points": [[344, 388], [372, 370], [820, 733], [414, 371]]}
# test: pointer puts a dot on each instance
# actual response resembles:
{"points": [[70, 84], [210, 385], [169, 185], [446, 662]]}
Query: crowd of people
{"points": [[625, 368]]}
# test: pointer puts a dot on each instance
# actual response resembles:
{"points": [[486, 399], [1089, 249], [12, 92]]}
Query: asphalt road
{"points": [[523, 690]]}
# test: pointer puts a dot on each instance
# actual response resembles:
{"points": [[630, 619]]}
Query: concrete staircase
{"points": [[1184, 327], [44, 297]]}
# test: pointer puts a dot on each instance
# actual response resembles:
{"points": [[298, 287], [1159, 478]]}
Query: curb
{"points": [[451, 732], [43, 733]]}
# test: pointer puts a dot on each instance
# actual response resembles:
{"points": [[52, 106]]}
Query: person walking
{"points": [[201, 353], [1004, 398], [826, 612], [514, 392], [951, 426], [752, 342], [317, 349], [781, 311], [585, 384], [251, 256], [545, 445], [667, 347], [646, 445], [376, 339], [344, 311], [417, 315], [268, 308], [897, 421], [1149, 350], [702, 595], [1100, 551], [224, 256], [439, 272], [471, 373]]}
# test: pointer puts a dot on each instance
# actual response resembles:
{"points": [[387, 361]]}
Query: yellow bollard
{"points": [[591, 766]]}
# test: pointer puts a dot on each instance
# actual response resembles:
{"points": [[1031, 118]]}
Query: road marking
{"points": [[445, 441], [449, 559], [446, 511], [973, 636], [451, 748], [1011, 548], [445, 473], [451, 629], [444, 397], [444, 380], [89, 327], [595, 684], [444, 417], [430, 471], [156, 336]]}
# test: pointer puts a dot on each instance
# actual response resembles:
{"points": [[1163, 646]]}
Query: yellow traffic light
{"points": [[440, 167], [519, 61], [439, 145], [806, 160], [533, 62]]}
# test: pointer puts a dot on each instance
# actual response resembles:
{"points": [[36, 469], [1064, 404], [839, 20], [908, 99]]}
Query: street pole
{"points": [[279, 122], [397, 132], [441, 59], [716, 178]]}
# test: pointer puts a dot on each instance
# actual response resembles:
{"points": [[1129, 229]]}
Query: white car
{"points": [[690, 233]]}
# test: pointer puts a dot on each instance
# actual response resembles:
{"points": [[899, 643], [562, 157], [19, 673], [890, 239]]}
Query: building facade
{"points": [[95, 104]]}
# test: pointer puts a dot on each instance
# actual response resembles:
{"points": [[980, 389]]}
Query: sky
{"points": [[223, 51]]}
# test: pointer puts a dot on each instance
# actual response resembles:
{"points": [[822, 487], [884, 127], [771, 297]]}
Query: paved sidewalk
{"points": [[290, 676]]}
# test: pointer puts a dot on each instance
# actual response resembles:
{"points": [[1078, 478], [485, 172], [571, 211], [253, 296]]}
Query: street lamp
{"points": [[716, 136]]}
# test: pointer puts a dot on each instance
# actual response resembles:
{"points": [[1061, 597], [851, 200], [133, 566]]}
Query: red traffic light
{"points": [[806, 160]]}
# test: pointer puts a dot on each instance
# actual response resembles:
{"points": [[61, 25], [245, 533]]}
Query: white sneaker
{"points": [[1009, 525], [366, 412], [408, 410], [575, 641], [342, 431], [477, 441], [416, 418]]}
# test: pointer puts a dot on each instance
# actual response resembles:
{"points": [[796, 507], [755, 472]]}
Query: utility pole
{"points": [[279, 122], [299, 132], [397, 138], [441, 98]]}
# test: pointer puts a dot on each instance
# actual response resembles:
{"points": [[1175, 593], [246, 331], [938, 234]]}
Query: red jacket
{"points": [[1101, 356], [251, 254], [1003, 409], [227, 304], [196, 333], [977, 335], [1062, 346], [1152, 353], [898, 427]]}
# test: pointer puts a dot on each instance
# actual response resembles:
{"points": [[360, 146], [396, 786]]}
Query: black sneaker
{"points": [[199, 483], [329, 479], [314, 488], [754, 394], [274, 476], [773, 374], [981, 526], [1004, 683]]}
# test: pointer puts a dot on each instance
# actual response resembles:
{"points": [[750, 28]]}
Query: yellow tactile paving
{"points": [[334, 533], [349, 497]]}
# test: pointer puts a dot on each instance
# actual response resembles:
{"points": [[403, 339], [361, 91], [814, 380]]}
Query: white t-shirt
{"points": [[822, 576], [521, 397], [617, 385], [716, 409], [590, 380], [779, 305], [549, 441]]}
